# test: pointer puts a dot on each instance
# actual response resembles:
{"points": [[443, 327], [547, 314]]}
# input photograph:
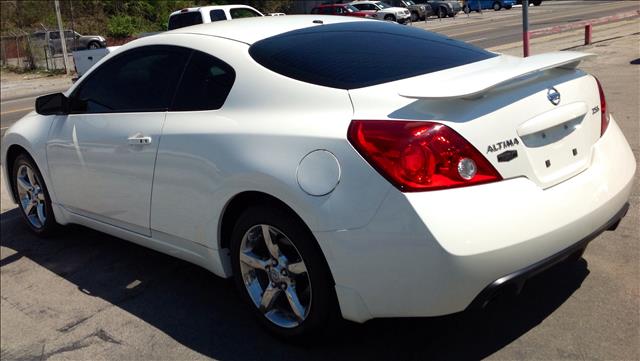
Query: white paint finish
{"points": [[97, 173], [205, 11], [496, 116], [440, 257], [250, 30], [255, 143], [552, 118], [318, 173], [473, 79], [399, 13]]}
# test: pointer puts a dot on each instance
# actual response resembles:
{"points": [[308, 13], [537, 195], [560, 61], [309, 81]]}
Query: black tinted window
{"points": [[205, 84], [217, 15], [141, 79], [237, 13], [352, 62], [184, 19]]}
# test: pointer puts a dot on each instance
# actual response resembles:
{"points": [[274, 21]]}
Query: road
{"points": [[12, 109], [491, 28]]}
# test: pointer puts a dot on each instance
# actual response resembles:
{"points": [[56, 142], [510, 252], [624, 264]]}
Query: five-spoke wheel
{"points": [[275, 276], [32, 196], [281, 273]]}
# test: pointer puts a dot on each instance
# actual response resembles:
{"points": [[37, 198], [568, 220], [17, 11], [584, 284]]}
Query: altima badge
{"points": [[554, 96]]}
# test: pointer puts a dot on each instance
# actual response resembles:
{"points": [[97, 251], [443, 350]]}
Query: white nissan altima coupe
{"points": [[327, 176]]}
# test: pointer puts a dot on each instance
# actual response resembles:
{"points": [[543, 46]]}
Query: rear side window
{"points": [[184, 19], [217, 15], [139, 80], [351, 62], [205, 84], [237, 13]]}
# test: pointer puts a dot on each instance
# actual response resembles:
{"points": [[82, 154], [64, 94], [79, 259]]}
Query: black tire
{"points": [[389, 18], [94, 45], [415, 16], [323, 305], [50, 226], [466, 9], [442, 12], [537, 3], [508, 7], [496, 6]]}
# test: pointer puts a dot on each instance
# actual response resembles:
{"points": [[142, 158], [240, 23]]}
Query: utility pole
{"points": [[526, 36], [63, 39]]}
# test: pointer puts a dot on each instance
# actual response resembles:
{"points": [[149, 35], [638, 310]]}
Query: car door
{"points": [[194, 132], [102, 155]]}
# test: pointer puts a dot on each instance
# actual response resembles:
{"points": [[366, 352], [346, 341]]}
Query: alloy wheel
{"points": [[31, 196], [275, 276]]}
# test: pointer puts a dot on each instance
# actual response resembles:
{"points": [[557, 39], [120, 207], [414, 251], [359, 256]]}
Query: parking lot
{"points": [[84, 295]]}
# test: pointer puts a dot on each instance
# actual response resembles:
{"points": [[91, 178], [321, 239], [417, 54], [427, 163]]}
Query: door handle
{"points": [[139, 139]]}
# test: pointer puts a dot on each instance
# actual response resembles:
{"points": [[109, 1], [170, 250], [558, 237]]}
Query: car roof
{"points": [[211, 7], [251, 30]]}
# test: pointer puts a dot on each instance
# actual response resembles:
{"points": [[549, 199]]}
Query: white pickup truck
{"points": [[85, 59]]}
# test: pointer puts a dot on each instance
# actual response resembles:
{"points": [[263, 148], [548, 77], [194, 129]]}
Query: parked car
{"points": [[478, 5], [73, 40], [328, 180], [444, 8], [208, 14], [418, 11], [384, 11], [342, 9]]}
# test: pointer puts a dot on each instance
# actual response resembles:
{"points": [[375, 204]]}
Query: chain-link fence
{"points": [[35, 50]]}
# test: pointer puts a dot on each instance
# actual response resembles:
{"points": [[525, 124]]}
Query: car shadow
{"points": [[204, 313]]}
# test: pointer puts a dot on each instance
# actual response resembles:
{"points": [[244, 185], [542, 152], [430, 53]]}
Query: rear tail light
{"points": [[604, 114], [420, 156]]}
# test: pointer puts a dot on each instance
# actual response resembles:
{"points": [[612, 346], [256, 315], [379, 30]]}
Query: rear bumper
{"points": [[440, 252], [517, 279]]}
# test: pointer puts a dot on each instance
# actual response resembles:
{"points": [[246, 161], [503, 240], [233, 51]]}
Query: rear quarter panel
{"points": [[255, 143]]}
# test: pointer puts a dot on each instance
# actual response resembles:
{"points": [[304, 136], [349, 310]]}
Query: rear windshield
{"points": [[363, 53], [184, 19]]}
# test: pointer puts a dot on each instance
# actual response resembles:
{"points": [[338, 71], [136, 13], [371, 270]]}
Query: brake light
{"points": [[420, 156], [604, 114]]}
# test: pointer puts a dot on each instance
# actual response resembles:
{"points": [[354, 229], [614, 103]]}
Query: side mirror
{"points": [[52, 104]]}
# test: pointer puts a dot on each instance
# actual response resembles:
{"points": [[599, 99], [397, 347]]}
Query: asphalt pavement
{"points": [[491, 28], [84, 295]]}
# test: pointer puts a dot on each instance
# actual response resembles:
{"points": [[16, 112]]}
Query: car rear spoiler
{"points": [[475, 79]]}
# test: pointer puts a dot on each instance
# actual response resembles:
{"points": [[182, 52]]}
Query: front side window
{"points": [[54, 35], [139, 80], [242, 13], [184, 19], [217, 15], [205, 85]]}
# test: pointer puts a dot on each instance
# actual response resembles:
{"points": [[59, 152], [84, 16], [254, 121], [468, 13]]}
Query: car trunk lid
{"points": [[535, 117]]}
